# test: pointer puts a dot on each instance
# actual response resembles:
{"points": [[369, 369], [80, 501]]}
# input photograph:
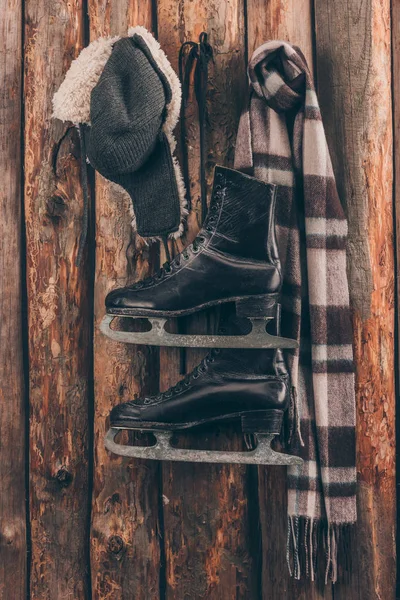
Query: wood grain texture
{"points": [[125, 551], [206, 520], [289, 21], [354, 75], [13, 561], [175, 531], [59, 310], [395, 27]]}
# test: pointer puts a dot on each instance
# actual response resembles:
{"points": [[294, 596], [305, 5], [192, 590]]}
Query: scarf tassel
{"points": [[307, 538]]}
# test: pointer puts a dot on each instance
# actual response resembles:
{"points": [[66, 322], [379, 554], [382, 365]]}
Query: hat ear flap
{"points": [[72, 100]]}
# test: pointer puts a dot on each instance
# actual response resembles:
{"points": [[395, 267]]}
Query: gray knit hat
{"points": [[128, 97], [127, 144]]}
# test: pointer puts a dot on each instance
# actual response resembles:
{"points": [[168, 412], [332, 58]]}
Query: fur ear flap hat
{"points": [[126, 97]]}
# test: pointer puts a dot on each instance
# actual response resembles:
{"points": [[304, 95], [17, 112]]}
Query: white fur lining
{"points": [[71, 102]]}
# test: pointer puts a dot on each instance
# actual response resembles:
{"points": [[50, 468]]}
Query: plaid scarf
{"points": [[281, 140]]}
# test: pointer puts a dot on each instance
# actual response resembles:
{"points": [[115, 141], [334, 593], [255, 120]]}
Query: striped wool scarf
{"points": [[281, 140]]}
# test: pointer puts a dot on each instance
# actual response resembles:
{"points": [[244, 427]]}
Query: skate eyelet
{"points": [[147, 401], [208, 228], [185, 256], [195, 376], [201, 240]]}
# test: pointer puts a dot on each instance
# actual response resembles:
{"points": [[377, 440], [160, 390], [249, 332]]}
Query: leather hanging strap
{"points": [[197, 56]]}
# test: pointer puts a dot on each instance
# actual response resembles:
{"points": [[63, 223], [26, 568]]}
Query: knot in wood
{"points": [[56, 207], [115, 544], [64, 477]]}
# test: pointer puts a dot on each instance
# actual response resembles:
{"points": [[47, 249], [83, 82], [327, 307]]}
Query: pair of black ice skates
{"points": [[234, 259]]}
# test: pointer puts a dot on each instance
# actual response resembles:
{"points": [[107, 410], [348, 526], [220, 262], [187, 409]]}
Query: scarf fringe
{"points": [[307, 538]]}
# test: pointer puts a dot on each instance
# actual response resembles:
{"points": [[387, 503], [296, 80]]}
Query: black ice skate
{"points": [[234, 258], [227, 386]]}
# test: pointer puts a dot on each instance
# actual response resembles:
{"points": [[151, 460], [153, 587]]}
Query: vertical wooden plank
{"points": [[395, 26], [289, 20], [124, 539], [13, 570], [353, 58], [207, 533], [59, 309]]}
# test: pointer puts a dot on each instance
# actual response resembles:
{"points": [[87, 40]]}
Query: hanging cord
{"points": [[200, 54], [184, 77], [85, 191], [200, 86], [190, 54]]}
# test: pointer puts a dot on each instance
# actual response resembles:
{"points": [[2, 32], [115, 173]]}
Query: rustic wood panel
{"points": [[395, 23], [59, 311], [13, 571], [125, 550], [290, 21], [172, 530], [207, 533], [353, 57]]}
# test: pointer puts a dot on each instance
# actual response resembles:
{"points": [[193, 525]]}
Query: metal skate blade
{"points": [[158, 336], [262, 454]]}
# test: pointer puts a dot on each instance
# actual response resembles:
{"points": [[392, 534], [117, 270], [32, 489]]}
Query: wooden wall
{"points": [[79, 523]]}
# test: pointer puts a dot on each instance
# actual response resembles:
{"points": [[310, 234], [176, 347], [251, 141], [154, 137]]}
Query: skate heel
{"points": [[263, 305], [262, 421]]}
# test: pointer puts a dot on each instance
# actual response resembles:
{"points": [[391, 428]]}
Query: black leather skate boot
{"points": [[233, 258], [228, 385]]}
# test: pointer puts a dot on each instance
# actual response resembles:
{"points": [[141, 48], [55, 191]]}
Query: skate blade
{"points": [[158, 336], [262, 454]]}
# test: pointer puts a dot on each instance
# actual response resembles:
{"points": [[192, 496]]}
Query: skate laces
{"points": [[200, 369], [197, 243], [169, 265], [195, 246], [213, 213]]}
